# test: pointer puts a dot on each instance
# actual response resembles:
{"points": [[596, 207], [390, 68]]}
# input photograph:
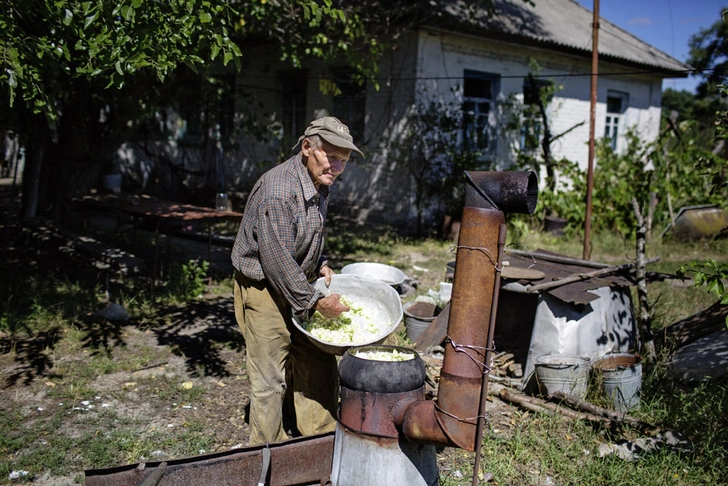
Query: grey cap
{"points": [[333, 131]]}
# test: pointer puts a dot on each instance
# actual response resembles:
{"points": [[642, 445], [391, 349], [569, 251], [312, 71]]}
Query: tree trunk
{"points": [[644, 319], [546, 142]]}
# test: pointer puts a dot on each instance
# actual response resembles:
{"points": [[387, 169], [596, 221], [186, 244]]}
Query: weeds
{"points": [[188, 280], [86, 393]]}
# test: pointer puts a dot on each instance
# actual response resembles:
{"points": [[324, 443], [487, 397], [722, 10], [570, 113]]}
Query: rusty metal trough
{"points": [[300, 461]]}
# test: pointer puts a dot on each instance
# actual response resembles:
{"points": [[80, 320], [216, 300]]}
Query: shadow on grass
{"points": [[32, 356], [198, 331], [47, 286]]}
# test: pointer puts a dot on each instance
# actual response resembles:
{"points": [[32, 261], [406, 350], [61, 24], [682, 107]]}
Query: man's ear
{"points": [[306, 147]]}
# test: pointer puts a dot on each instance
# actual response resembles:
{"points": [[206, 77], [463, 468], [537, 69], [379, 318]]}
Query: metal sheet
{"points": [[576, 292], [305, 460], [606, 325], [371, 461]]}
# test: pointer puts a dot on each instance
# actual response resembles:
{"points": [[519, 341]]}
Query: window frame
{"points": [[478, 109], [293, 84], [350, 102], [614, 114]]}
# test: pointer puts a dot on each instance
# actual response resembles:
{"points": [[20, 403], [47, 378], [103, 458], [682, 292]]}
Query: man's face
{"points": [[324, 164]]}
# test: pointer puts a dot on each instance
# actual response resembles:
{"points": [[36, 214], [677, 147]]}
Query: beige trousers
{"points": [[281, 361]]}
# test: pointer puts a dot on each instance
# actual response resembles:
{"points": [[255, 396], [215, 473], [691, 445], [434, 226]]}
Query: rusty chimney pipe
{"points": [[452, 419]]}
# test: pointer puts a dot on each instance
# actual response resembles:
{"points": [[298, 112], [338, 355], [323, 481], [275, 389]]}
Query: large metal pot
{"points": [[380, 302], [381, 376]]}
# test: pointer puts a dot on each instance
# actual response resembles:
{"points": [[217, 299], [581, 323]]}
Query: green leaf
{"points": [[118, 68], [226, 58], [127, 11], [136, 3], [205, 17], [191, 65], [67, 17], [215, 50], [89, 20]]}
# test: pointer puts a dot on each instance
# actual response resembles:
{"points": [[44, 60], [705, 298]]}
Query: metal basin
{"points": [[379, 301], [386, 273]]}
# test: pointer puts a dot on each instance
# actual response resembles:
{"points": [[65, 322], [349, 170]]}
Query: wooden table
{"points": [[149, 209]]}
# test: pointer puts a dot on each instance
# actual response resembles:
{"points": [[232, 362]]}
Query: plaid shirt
{"points": [[281, 236]]}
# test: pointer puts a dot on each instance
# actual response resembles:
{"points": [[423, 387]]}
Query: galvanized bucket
{"points": [[418, 319], [568, 374], [621, 379]]}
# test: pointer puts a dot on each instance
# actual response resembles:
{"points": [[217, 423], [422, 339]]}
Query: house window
{"points": [[616, 105], [349, 103], [478, 108], [293, 85]]}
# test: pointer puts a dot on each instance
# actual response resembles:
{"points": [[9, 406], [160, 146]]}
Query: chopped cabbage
{"points": [[394, 355], [350, 327]]}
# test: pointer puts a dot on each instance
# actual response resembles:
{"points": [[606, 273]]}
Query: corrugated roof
{"points": [[563, 24]]}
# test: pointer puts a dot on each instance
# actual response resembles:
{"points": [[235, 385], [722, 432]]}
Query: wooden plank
{"points": [[435, 332], [584, 276], [518, 273]]}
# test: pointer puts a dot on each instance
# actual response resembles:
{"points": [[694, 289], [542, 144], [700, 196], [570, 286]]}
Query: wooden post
{"points": [[592, 122], [648, 344]]}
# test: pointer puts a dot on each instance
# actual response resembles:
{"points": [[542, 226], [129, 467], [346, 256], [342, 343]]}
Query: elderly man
{"points": [[277, 255]]}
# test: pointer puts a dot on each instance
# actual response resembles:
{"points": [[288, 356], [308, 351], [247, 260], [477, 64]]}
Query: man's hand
{"points": [[326, 273], [330, 306]]}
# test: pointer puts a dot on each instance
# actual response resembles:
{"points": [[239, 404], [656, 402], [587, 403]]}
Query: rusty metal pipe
{"points": [[510, 192], [419, 423], [489, 352], [452, 419], [461, 376]]}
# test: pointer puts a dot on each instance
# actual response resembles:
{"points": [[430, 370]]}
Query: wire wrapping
{"points": [[467, 420], [481, 249], [530, 253], [464, 348]]}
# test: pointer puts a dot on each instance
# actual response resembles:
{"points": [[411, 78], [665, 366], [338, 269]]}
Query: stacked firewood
{"points": [[503, 369]]}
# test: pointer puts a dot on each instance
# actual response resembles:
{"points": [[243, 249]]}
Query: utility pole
{"points": [[592, 122]]}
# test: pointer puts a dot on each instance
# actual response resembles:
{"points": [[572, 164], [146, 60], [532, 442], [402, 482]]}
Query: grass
{"points": [[542, 449], [67, 364]]}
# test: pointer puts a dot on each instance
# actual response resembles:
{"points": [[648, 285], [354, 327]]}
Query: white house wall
{"points": [[422, 65], [373, 188], [444, 56], [377, 188]]}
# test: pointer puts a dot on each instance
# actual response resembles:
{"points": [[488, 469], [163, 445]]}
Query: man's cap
{"points": [[333, 131]]}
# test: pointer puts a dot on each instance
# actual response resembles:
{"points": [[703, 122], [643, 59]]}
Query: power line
{"points": [[507, 76]]}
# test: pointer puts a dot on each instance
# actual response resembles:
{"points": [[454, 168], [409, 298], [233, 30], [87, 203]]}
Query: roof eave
{"points": [[545, 44]]}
